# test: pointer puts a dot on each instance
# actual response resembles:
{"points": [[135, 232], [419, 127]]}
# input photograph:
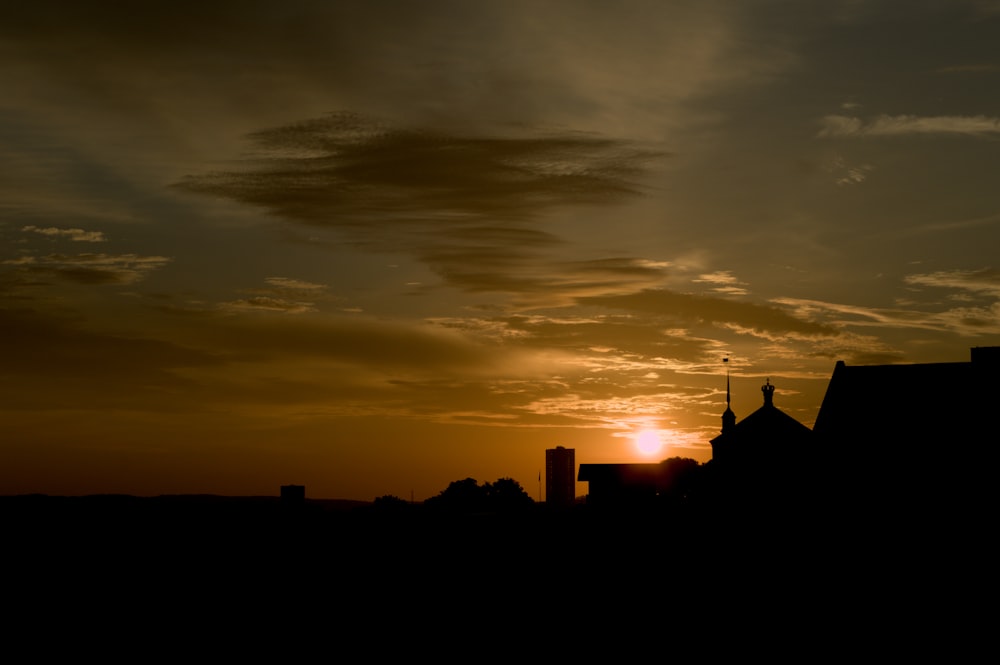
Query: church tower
{"points": [[767, 436]]}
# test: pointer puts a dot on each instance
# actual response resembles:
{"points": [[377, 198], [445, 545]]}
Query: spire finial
{"points": [[768, 391]]}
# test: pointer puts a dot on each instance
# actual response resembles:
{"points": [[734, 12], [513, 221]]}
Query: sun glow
{"points": [[648, 442]]}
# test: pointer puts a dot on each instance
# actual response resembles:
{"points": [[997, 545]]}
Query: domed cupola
{"points": [[768, 391]]}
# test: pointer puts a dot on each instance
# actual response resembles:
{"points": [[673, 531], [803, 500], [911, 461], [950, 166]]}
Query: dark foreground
{"points": [[188, 565]]}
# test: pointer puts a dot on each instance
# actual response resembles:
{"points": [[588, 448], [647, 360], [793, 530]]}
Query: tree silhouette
{"points": [[679, 477], [507, 494], [468, 496], [389, 503], [460, 496]]}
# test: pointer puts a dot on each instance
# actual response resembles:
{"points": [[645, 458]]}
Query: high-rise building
{"points": [[560, 476]]}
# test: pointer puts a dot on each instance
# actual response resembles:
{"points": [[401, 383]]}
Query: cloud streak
{"points": [[89, 268], [76, 235], [843, 126], [964, 321], [985, 281], [714, 311], [282, 294]]}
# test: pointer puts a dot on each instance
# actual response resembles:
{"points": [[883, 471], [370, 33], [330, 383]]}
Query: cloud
{"points": [[555, 283], [268, 304], [282, 294], [91, 368], [885, 125], [719, 312], [639, 338], [854, 348], [445, 61], [956, 225], [856, 314], [854, 176], [965, 321], [294, 284], [90, 268], [846, 174], [512, 371], [344, 170], [469, 206], [985, 281], [725, 283], [76, 235]]}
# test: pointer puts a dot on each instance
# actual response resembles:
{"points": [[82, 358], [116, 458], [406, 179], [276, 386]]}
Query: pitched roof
{"points": [[916, 402], [914, 437], [770, 422], [766, 433]]}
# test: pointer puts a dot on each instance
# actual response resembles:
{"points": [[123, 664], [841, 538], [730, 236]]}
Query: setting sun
{"points": [[648, 442]]}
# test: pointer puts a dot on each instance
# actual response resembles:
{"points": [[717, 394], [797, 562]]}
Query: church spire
{"points": [[728, 417]]}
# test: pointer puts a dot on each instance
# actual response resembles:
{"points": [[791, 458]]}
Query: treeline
{"points": [[504, 495]]}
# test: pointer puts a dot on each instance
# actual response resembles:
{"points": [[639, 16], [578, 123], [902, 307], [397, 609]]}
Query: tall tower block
{"points": [[560, 477]]}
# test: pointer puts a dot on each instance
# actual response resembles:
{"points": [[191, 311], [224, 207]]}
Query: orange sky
{"points": [[376, 247]]}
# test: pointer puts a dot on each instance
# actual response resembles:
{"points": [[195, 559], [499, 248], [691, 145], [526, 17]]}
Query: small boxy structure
{"points": [[293, 495]]}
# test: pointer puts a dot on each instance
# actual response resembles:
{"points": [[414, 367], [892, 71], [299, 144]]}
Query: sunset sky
{"points": [[374, 247]]}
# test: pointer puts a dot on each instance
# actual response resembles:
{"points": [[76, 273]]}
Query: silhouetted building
{"points": [[903, 405], [669, 483], [293, 494], [620, 485], [767, 436], [896, 444], [912, 437], [560, 476], [764, 461]]}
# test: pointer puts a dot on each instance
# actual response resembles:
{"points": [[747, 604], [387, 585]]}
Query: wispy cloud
{"points": [[726, 283], [267, 304], [90, 268], [854, 175], [885, 125], [553, 283], [294, 284], [76, 235], [844, 314], [847, 174], [965, 321], [282, 294], [985, 281], [714, 311]]}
